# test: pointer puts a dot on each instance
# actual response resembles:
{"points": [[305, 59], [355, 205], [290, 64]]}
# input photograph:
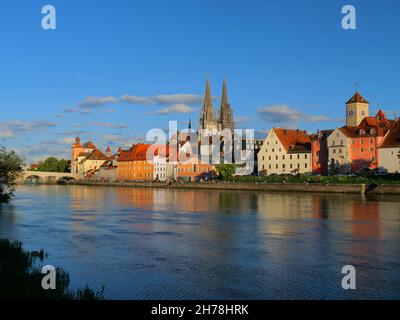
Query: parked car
{"points": [[365, 172], [378, 172]]}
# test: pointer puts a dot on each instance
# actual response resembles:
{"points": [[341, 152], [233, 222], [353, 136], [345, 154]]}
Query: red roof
{"points": [[392, 139], [89, 145], [137, 152], [108, 149], [294, 141], [370, 126], [357, 98], [97, 155]]}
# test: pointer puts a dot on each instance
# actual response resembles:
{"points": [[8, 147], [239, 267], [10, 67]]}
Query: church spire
{"points": [[207, 99], [225, 110], [224, 99]]}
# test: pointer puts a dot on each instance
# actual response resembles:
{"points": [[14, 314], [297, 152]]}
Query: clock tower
{"points": [[357, 108]]}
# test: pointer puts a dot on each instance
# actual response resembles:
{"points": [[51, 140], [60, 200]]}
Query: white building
{"points": [[389, 150], [285, 151]]}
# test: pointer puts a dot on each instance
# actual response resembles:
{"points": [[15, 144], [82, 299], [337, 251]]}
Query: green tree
{"points": [[21, 277], [52, 164], [226, 171], [10, 167]]}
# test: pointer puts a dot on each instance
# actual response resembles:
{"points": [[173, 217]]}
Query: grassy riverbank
{"points": [[289, 183], [21, 277], [302, 178]]}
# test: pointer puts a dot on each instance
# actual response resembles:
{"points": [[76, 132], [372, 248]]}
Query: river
{"points": [[143, 243]]}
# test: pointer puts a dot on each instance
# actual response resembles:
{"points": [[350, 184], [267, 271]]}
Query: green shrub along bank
{"points": [[21, 277], [301, 178]]}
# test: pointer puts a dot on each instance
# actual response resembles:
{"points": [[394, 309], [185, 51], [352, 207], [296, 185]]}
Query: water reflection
{"points": [[149, 243]]}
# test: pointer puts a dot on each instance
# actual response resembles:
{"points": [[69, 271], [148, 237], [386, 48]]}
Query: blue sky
{"points": [[114, 69]]}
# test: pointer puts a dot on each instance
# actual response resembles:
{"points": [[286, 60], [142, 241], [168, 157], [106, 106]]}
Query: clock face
{"points": [[350, 113], [363, 113]]}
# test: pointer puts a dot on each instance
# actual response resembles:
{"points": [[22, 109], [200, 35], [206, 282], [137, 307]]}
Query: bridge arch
{"points": [[33, 179], [65, 179]]}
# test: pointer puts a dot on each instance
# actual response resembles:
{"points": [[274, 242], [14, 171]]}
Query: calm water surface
{"points": [[177, 244]]}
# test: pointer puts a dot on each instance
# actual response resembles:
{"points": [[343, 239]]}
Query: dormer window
{"points": [[361, 132]]}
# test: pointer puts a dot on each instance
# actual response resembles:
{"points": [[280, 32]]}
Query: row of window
{"points": [[305, 156], [371, 141], [136, 168], [136, 175], [291, 166], [354, 150], [194, 168]]}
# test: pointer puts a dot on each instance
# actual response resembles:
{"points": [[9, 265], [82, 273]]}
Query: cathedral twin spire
{"points": [[208, 119]]}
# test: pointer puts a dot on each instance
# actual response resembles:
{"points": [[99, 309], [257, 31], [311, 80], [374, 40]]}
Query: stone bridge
{"points": [[46, 177]]}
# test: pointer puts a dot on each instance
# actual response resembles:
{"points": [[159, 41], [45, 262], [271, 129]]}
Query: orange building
{"points": [[364, 141], [319, 152], [355, 146], [194, 170], [133, 164]]}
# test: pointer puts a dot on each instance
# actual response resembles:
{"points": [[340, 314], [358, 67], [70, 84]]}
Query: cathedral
{"points": [[209, 119]]}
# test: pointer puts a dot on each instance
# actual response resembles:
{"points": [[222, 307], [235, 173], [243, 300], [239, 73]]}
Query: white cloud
{"points": [[11, 128], [176, 108], [93, 102], [164, 99], [136, 99], [119, 140], [188, 99], [283, 114], [108, 125]]}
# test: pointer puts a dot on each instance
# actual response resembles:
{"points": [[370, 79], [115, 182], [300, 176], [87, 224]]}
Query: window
{"points": [[291, 157], [276, 157], [269, 158], [291, 165], [305, 156], [341, 142], [340, 150], [298, 156], [362, 141], [283, 166], [334, 150], [277, 166], [305, 165], [283, 157], [362, 150], [270, 166]]}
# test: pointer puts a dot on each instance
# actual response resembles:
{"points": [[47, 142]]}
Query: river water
{"points": [[143, 243]]}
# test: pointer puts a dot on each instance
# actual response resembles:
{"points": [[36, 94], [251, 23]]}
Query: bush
{"points": [[303, 178], [10, 168], [21, 277]]}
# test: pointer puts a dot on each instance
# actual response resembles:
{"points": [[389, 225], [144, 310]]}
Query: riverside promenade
{"points": [[281, 187]]}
